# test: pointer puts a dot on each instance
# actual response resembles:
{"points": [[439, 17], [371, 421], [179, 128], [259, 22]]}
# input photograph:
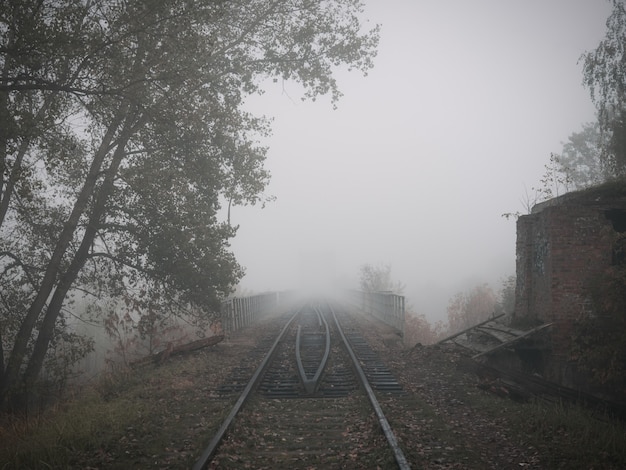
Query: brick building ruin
{"points": [[562, 247]]}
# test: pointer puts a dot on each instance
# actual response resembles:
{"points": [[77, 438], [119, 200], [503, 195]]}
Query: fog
{"points": [[422, 157]]}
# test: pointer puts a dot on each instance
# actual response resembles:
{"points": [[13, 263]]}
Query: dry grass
{"points": [[152, 417]]}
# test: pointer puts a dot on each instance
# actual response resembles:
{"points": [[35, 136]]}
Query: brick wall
{"points": [[561, 247]]}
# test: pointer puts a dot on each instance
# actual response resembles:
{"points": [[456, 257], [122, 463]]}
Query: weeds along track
{"points": [[311, 402]]}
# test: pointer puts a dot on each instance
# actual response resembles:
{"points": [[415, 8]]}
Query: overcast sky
{"points": [[414, 169]]}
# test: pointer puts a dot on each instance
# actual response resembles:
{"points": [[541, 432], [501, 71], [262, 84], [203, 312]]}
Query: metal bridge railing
{"points": [[386, 306], [239, 312]]}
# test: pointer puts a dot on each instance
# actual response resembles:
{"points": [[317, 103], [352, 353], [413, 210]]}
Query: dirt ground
{"points": [[163, 416]]}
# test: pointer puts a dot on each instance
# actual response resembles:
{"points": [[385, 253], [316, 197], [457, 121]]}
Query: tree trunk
{"points": [[46, 330], [4, 126], [1, 356], [51, 276], [52, 271], [17, 164]]}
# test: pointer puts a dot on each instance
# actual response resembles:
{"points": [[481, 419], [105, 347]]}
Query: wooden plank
{"points": [[467, 329], [187, 347], [172, 350], [508, 343], [500, 335], [474, 347], [506, 329]]}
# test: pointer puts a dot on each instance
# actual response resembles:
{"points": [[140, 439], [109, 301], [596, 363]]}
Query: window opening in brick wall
{"points": [[617, 217]]}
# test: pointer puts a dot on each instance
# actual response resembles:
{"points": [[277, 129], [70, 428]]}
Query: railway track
{"points": [[310, 403]]}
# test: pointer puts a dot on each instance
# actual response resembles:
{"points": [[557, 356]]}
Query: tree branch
{"points": [[18, 262]]}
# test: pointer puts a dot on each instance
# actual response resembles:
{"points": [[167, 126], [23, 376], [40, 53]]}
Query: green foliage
{"points": [[506, 296], [597, 153], [604, 73], [599, 340], [581, 158], [555, 180], [122, 130], [67, 349]]}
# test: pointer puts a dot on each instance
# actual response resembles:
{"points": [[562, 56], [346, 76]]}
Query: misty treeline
{"points": [[465, 309], [377, 278], [122, 133], [595, 154]]}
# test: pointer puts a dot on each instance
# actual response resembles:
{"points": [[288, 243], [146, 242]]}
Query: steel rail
{"points": [[401, 460], [319, 316], [208, 453], [311, 384]]}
